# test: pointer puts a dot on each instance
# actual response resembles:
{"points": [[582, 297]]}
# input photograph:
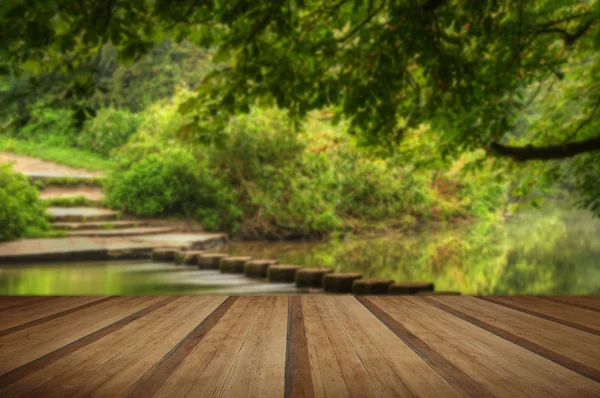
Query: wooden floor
{"points": [[300, 346]]}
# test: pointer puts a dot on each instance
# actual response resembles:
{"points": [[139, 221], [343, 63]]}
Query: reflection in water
{"points": [[534, 253]]}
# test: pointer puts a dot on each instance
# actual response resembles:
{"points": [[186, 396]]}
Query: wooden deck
{"points": [[300, 346]]}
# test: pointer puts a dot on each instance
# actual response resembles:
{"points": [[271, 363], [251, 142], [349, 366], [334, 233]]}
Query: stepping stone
{"points": [[210, 260], [258, 268], [65, 214], [410, 287], [187, 257], [233, 265], [106, 225], [282, 273], [164, 254], [440, 293], [339, 283], [372, 286], [122, 232], [311, 277]]}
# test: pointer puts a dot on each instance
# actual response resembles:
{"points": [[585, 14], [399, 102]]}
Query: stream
{"points": [[535, 252]]}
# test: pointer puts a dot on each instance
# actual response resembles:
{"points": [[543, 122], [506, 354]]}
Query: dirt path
{"points": [[27, 165]]}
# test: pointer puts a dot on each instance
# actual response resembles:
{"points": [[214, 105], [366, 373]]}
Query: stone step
{"points": [[81, 214], [102, 249], [121, 232], [340, 283], [233, 265], [258, 268], [410, 287], [106, 225], [93, 194], [61, 179], [282, 273], [311, 277], [372, 286]]}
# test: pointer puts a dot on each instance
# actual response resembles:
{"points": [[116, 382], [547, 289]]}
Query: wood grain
{"points": [[572, 349], [311, 345]]}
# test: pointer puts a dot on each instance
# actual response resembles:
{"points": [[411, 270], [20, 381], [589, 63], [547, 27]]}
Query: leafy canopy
{"points": [[465, 67]]}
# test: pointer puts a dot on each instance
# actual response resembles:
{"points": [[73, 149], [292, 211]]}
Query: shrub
{"points": [[154, 179], [111, 128], [21, 211], [50, 125]]}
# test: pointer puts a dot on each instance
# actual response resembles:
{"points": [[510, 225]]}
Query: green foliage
{"points": [[158, 179], [50, 126], [109, 129], [21, 211]]}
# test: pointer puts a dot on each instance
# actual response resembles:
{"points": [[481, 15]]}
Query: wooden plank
{"points": [[214, 375], [396, 370], [578, 318], [257, 348], [359, 382], [83, 369], [591, 303], [96, 370], [502, 367], [327, 376], [155, 377], [298, 380], [164, 341], [27, 319], [387, 314], [270, 377], [231, 325], [58, 338], [571, 348]]}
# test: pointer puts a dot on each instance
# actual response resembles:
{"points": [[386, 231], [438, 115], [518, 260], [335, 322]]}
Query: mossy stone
{"points": [[233, 265], [258, 268], [371, 286], [210, 260], [164, 254], [340, 283], [188, 257], [410, 287], [311, 277], [283, 273]]}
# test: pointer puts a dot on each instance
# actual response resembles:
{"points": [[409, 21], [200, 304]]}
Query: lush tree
{"points": [[469, 69]]}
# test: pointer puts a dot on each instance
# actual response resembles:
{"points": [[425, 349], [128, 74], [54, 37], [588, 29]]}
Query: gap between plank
{"points": [[573, 325], [47, 359], [298, 376], [553, 356], [578, 305], [452, 374], [155, 377], [52, 317]]}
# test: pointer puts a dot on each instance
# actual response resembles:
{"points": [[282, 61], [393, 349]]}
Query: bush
{"points": [[21, 211], [160, 179], [50, 125], [111, 128]]}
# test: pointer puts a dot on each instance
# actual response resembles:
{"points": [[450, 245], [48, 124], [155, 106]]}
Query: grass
{"points": [[41, 182], [71, 157], [72, 202]]}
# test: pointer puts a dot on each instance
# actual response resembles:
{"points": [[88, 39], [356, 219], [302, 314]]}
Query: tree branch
{"points": [[531, 152], [363, 23], [569, 38], [431, 5]]}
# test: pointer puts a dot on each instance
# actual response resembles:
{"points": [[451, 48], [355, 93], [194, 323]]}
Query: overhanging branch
{"points": [[548, 152]]}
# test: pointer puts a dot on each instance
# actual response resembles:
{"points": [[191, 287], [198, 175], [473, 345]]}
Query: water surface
{"points": [[537, 252]]}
